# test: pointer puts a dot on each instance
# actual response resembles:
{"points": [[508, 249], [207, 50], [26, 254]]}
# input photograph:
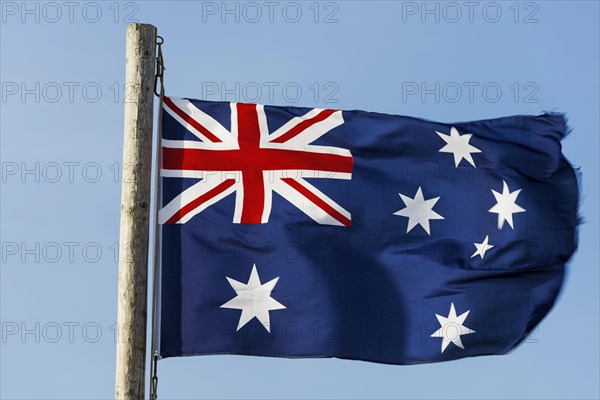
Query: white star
{"points": [[458, 145], [452, 328], [418, 210], [254, 299], [506, 205], [482, 247]]}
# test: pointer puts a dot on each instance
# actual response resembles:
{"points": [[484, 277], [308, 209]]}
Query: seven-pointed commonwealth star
{"points": [[506, 206], [458, 145], [482, 247], [418, 210], [254, 299], [452, 328]]}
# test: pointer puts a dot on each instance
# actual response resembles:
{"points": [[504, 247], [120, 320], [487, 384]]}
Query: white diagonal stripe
{"points": [[307, 206], [192, 193], [202, 118], [293, 122], [310, 134]]}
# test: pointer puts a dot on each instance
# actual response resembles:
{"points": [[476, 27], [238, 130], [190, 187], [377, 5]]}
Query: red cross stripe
{"points": [[252, 162]]}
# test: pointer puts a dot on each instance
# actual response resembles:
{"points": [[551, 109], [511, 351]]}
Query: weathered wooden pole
{"points": [[135, 211]]}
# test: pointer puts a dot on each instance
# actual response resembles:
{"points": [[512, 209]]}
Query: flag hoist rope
{"points": [[159, 75]]}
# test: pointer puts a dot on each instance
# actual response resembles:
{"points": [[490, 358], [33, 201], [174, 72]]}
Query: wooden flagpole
{"points": [[135, 212]]}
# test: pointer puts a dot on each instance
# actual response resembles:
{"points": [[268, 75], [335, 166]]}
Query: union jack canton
{"points": [[252, 162]]}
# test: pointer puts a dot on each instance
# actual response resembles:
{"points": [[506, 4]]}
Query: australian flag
{"points": [[297, 232]]}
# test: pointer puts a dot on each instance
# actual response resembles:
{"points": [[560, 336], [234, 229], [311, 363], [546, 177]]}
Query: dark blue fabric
{"points": [[371, 291]]}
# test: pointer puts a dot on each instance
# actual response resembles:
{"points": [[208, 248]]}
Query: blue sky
{"points": [[62, 74]]}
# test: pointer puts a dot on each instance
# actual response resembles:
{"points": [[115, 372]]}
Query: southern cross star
{"points": [[452, 328], [505, 205], [254, 299], [418, 210], [482, 247], [458, 145]]}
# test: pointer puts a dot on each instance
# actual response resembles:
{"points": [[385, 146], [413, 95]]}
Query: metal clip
{"points": [[154, 382], [160, 68]]}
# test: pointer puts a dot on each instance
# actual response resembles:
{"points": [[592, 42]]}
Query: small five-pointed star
{"points": [[483, 247], [458, 145], [452, 328], [506, 206], [254, 299], [418, 210]]}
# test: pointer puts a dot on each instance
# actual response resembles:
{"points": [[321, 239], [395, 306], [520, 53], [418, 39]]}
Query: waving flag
{"points": [[297, 232]]}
